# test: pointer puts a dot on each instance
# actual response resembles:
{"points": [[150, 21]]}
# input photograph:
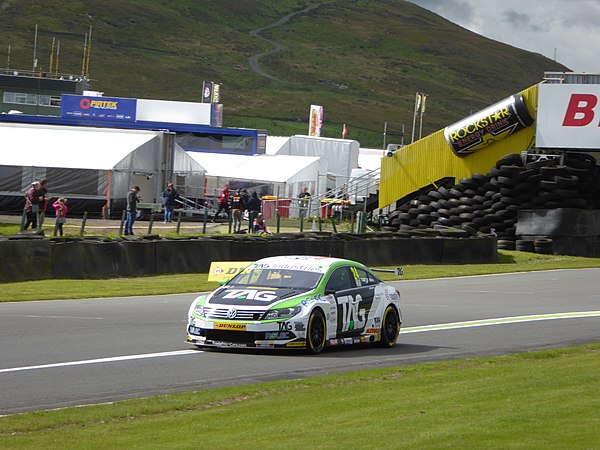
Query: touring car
{"points": [[297, 302]]}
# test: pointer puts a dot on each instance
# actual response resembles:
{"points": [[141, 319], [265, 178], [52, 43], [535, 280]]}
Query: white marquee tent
{"points": [[89, 163]]}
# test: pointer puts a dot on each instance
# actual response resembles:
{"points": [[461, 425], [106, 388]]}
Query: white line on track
{"points": [[500, 321], [100, 360], [408, 330], [33, 316]]}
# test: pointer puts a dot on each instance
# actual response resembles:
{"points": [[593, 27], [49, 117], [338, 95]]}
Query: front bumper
{"points": [[245, 335]]}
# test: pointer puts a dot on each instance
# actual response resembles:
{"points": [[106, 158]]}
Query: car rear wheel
{"points": [[315, 334], [390, 327]]}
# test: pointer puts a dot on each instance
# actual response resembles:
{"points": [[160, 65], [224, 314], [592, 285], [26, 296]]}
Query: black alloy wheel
{"points": [[390, 327], [315, 335]]}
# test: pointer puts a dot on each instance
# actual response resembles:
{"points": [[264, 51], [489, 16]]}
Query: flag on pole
{"points": [[315, 120], [344, 132], [419, 100]]}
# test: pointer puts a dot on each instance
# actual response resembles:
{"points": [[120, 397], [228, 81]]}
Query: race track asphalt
{"points": [[74, 352]]}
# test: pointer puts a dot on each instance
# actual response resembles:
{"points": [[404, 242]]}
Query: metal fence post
{"points": [[278, 221], [83, 221], [178, 221], [23, 220], [56, 226], [123, 216], [151, 223]]}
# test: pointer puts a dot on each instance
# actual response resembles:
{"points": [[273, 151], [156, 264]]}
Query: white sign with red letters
{"points": [[568, 116]]}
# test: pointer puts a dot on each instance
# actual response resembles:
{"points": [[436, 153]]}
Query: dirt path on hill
{"points": [[254, 60]]}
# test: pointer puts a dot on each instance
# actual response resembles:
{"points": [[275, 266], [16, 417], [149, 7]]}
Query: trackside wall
{"points": [[34, 259]]}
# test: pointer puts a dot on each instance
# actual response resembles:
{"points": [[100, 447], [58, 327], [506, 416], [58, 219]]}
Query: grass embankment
{"points": [[185, 283], [546, 399]]}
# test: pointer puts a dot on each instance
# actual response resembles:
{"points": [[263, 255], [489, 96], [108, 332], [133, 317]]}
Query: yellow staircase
{"points": [[430, 159]]}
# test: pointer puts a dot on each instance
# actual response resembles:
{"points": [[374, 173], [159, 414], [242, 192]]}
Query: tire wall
{"points": [[430, 159], [30, 259], [573, 232]]}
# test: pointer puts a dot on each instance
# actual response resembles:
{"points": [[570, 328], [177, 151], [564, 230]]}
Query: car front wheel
{"points": [[390, 327], [315, 334]]}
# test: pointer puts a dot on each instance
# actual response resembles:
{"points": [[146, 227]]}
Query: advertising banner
{"points": [[568, 116], [211, 92], [98, 108], [175, 112], [207, 91], [315, 120], [488, 126]]}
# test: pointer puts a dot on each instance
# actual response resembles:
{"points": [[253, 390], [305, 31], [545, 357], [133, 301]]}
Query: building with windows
{"points": [[37, 93]]}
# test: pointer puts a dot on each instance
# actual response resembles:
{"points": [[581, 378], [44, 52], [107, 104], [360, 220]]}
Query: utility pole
{"points": [[423, 100], [35, 48]]}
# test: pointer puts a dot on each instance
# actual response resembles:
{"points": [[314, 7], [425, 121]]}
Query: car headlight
{"points": [[199, 309], [282, 313]]}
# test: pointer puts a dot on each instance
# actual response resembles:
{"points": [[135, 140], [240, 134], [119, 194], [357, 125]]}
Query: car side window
{"points": [[366, 278], [339, 280]]}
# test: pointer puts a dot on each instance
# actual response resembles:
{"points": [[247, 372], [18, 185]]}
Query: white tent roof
{"points": [[68, 147], [278, 168], [370, 158], [276, 144]]}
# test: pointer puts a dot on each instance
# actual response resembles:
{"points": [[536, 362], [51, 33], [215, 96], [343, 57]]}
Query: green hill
{"points": [[363, 60]]}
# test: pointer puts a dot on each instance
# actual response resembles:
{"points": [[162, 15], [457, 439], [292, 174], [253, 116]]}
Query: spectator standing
{"points": [[132, 201], [32, 205], [170, 196], [304, 201], [254, 206], [223, 203], [246, 202], [60, 206], [237, 208]]}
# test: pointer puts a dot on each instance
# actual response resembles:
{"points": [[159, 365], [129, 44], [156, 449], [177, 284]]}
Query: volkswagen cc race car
{"points": [[300, 302]]}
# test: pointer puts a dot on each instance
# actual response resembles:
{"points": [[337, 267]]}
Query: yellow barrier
{"points": [[430, 159]]}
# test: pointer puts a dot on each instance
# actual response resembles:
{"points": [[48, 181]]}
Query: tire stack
{"points": [[490, 203]]}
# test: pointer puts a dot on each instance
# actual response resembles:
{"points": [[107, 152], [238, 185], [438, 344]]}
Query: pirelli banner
{"points": [[488, 126]]}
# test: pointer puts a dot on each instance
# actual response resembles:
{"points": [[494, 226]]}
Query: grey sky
{"points": [[571, 28]]}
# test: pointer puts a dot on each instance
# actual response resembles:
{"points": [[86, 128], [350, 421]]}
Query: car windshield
{"points": [[279, 278]]}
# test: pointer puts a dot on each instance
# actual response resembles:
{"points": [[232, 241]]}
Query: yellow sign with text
{"points": [[230, 326], [223, 271]]}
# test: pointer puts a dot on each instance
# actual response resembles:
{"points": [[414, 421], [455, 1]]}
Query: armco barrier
{"points": [[30, 259]]}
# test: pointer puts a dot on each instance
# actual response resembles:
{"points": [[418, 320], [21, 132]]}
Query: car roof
{"points": [[303, 262]]}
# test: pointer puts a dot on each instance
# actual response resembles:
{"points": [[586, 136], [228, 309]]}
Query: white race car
{"points": [[303, 302]]}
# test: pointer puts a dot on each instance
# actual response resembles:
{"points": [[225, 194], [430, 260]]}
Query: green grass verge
{"points": [[185, 283], [544, 399]]}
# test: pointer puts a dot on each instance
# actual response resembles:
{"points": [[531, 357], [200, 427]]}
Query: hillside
{"points": [[363, 60]]}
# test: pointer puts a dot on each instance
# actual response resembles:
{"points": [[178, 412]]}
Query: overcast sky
{"points": [[568, 28]]}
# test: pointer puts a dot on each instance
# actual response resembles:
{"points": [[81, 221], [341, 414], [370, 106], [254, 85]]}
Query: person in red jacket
{"points": [[223, 203]]}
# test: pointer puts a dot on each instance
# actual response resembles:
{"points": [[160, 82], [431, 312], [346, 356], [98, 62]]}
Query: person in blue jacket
{"points": [[170, 196]]}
